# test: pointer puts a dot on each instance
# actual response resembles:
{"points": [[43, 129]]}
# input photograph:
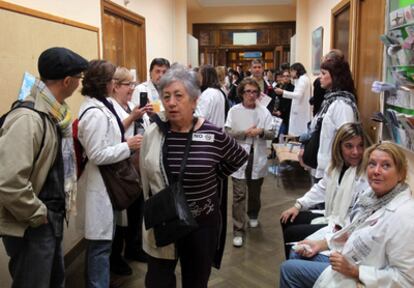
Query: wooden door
{"points": [[124, 38], [341, 25], [113, 43], [369, 59], [134, 52]]}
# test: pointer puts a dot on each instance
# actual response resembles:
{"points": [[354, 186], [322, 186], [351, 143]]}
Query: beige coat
{"points": [[20, 139], [152, 179]]}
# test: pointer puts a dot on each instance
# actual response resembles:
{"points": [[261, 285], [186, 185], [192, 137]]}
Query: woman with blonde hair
{"points": [[129, 224], [342, 181], [375, 249]]}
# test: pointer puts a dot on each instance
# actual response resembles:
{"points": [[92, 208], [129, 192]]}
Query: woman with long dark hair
{"points": [[300, 112], [212, 103], [339, 106], [340, 183]]}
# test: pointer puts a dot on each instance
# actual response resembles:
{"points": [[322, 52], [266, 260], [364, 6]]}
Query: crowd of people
{"points": [[216, 121]]}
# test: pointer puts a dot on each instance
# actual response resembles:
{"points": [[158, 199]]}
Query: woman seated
{"points": [[376, 249], [340, 183]]}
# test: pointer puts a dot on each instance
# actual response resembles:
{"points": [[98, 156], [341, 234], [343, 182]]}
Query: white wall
{"points": [[192, 53], [311, 15], [292, 49]]}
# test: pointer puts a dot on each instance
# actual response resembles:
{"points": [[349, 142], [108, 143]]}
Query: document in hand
{"points": [[264, 99]]}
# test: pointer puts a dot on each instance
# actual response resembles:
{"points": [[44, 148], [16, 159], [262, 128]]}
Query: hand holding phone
{"points": [[143, 99]]}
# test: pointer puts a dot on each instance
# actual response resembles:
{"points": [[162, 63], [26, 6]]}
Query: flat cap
{"points": [[58, 63]]}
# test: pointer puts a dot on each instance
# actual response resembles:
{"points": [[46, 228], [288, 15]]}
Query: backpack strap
{"points": [[28, 105], [89, 108]]}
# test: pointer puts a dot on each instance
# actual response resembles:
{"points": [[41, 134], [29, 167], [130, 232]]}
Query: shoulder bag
{"points": [[311, 146], [167, 211], [122, 183]]}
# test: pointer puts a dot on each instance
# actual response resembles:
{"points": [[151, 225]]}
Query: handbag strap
{"points": [[185, 155]]}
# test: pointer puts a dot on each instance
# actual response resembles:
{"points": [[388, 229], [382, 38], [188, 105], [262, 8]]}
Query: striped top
{"points": [[212, 150]]}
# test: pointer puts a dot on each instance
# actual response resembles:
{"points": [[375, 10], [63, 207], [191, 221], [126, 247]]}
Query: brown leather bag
{"points": [[122, 183]]}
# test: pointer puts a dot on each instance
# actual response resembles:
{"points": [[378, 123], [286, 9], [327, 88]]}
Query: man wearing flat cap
{"points": [[37, 175]]}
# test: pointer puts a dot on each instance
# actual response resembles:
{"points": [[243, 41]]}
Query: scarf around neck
{"points": [[369, 203], [332, 96], [62, 117], [339, 196]]}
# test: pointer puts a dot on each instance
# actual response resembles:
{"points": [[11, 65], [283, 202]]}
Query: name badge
{"points": [[203, 137]]}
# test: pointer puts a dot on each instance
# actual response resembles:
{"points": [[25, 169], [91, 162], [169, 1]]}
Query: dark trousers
{"points": [[299, 229], [132, 234], [196, 253], [241, 189], [36, 259]]}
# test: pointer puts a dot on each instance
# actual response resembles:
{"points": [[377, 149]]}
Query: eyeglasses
{"points": [[130, 84], [253, 92]]}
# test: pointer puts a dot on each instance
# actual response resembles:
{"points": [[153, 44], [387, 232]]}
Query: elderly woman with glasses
{"points": [[251, 125], [213, 155], [375, 249], [129, 224]]}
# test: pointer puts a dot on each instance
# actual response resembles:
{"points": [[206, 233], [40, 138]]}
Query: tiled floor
{"points": [[256, 264]]}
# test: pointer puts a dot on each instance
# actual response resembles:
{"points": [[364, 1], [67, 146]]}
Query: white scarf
{"points": [[339, 196]]}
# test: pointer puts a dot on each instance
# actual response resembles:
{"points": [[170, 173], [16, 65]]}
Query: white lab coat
{"points": [[337, 115], [122, 114], [300, 111], [100, 136], [211, 106], [382, 247], [153, 96], [129, 132], [319, 192], [262, 119], [145, 87]]}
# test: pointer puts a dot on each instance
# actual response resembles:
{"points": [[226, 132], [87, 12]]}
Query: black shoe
{"points": [[139, 256], [120, 267]]}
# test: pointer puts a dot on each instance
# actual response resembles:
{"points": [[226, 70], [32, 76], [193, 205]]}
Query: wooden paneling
{"points": [[369, 59], [124, 38], [113, 43], [216, 42], [25, 34]]}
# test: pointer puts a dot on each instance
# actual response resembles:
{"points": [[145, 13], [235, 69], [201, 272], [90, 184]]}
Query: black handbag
{"points": [[311, 146], [167, 211], [122, 183]]}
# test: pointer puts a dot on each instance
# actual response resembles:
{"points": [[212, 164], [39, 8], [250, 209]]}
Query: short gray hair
{"points": [[187, 77]]}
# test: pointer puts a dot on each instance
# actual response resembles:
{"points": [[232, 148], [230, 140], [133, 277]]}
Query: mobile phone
{"points": [[143, 99]]}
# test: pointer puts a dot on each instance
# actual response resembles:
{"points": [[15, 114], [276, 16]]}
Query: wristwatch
{"points": [[298, 205]]}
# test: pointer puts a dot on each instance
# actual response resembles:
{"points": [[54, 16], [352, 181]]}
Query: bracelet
{"points": [[298, 205]]}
